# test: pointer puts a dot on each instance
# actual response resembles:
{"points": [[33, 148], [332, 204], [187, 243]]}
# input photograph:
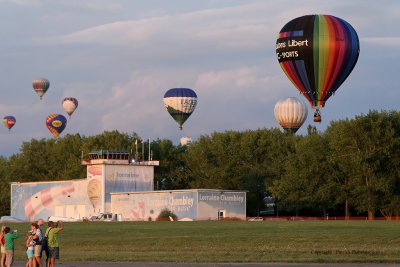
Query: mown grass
{"points": [[228, 241]]}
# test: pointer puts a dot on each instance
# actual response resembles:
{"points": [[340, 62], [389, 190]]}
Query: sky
{"points": [[119, 57]]}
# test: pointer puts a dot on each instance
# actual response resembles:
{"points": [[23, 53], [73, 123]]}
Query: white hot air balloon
{"points": [[186, 141], [69, 104], [290, 114]]}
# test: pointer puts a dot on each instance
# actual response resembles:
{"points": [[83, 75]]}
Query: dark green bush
{"points": [[165, 214]]}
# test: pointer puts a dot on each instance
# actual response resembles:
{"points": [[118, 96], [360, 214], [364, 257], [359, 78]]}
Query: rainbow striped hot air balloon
{"points": [[56, 124], [317, 53], [180, 103], [41, 85], [9, 122]]}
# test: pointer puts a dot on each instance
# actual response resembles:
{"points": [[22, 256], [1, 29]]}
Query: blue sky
{"points": [[119, 57]]}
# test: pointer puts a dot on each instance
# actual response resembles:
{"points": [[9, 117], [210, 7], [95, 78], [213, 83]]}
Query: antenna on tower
{"points": [[149, 151]]}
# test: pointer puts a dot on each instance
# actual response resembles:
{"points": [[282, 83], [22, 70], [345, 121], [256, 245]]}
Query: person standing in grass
{"points": [[52, 241], [30, 249], [37, 238], [9, 237], [40, 223], [3, 249]]}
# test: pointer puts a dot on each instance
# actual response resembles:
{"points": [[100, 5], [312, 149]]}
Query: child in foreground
{"points": [[30, 245]]}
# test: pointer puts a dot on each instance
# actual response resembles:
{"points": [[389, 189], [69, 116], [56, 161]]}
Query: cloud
{"points": [[239, 98], [95, 5], [382, 41], [227, 30], [228, 99], [137, 105], [23, 2]]}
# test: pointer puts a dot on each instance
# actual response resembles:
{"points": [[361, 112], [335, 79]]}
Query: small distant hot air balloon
{"points": [[69, 104], [180, 103], [56, 124], [41, 85], [290, 114], [317, 53], [186, 141], [9, 122]]}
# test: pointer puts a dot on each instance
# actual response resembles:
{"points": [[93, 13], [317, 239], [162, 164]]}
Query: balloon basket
{"points": [[317, 117]]}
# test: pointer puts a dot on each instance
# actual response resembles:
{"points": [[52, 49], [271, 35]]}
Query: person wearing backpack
{"points": [[52, 241], [40, 223], [37, 238]]}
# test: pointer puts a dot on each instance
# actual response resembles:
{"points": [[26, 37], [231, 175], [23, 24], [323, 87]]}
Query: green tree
{"points": [[305, 182], [168, 175], [4, 187], [365, 150], [111, 140], [248, 160]]}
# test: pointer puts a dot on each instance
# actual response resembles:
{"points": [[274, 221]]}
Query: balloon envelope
{"points": [[290, 114], [56, 124], [9, 121], [41, 85], [69, 104], [186, 141], [317, 53], [180, 103]]}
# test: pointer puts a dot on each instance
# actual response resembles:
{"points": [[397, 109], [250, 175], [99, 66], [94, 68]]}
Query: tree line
{"points": [[351, 168]]}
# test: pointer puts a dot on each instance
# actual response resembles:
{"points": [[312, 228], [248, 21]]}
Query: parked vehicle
{"points": [[105, 217]]}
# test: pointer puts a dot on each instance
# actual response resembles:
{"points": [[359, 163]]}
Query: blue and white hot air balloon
{"points": [[180, 104]]}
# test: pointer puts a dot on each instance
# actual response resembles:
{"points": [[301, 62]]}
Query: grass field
{"points": [[227, 241]]}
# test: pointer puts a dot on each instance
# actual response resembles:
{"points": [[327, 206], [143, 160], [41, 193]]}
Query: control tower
{"points": [[112, 171]]}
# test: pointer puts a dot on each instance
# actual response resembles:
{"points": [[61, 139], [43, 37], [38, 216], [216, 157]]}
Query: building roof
{"points": [[178, 191]]}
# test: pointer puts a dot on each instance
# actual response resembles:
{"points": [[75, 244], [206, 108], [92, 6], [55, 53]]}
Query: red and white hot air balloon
{"points": [[41, 85], [69, 104]]}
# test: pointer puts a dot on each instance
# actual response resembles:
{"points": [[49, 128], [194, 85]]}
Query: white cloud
{"points": [[227, 29], [382, 41], [23, 2], [96, 5], [137, 105]]}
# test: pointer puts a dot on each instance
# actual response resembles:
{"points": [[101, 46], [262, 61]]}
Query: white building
{"points": [[195, 204], [114, 184]]}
